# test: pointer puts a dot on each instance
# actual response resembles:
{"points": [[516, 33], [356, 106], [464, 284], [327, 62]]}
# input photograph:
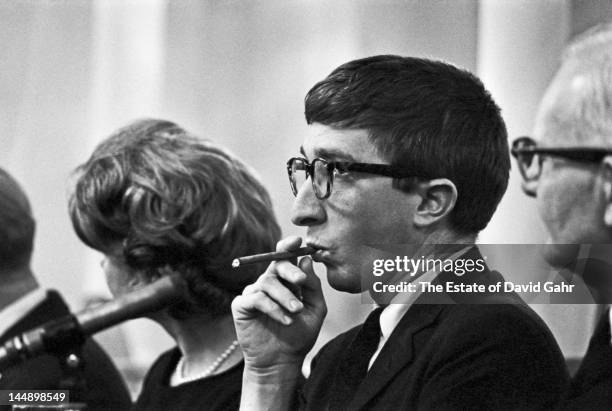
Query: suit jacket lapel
{"points": [[595, 366], [397, 353], [399, 350]]}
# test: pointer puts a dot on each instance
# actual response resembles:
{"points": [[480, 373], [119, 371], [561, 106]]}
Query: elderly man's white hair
{"points": [[577, 106]]}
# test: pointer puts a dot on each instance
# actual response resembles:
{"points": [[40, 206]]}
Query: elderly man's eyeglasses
{"points": [[322, 172], [529, 156]]}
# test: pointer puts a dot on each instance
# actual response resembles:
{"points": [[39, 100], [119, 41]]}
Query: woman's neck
{"points": [[201, 341]]}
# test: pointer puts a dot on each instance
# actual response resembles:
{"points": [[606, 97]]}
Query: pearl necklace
{"points": [[180, 367]]}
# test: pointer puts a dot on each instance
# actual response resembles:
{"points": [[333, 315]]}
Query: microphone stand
{"points": [[60, 336]]}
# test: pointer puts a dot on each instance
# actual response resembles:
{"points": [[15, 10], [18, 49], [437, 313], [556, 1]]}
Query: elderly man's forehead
{"points": [[555, 132], [573, 112]]}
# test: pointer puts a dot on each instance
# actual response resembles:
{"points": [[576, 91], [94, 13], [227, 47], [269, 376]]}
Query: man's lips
{"points": [[322, 255], [319, 256]]}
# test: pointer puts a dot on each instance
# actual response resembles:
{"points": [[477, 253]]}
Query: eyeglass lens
{"points": [[321, 182], [529, 163], [531, 166], [297, 175]]}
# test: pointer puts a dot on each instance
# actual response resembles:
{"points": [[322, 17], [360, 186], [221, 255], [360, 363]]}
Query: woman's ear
{"points": [[143, 277], [138, 279], [439, 197]]}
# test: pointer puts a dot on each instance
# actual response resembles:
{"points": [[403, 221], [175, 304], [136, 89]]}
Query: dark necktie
{"points": [[353, 364]]}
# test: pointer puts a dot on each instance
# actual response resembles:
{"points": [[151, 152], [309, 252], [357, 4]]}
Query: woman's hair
{"points": [[171, 202]]}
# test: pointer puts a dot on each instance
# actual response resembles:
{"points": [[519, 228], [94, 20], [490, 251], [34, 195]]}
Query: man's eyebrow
{"points": [[329, 154]]}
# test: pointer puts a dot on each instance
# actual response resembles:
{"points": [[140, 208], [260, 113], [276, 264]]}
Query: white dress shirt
{"points": [[401, 303]]}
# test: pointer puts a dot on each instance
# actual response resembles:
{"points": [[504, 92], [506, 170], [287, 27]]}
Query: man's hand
{"points": [[278, 318]]}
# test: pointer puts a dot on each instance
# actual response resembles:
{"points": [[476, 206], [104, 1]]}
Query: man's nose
{"points": [[307, 209]]}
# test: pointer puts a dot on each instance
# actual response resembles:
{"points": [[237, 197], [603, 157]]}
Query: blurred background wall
{"points": [[237, 72]]}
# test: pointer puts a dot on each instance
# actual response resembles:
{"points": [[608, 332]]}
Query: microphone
{"points": [[60, 335]]}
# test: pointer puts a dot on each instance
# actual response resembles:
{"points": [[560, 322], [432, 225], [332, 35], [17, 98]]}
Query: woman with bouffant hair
{"points": [[156, 200]]}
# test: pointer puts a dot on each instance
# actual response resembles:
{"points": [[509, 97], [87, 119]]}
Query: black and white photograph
{"points": [[306, 205]]}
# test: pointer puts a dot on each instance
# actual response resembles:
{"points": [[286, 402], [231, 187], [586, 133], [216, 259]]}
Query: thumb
{"points": [[311, 287], [312, 294], [306, 265]]}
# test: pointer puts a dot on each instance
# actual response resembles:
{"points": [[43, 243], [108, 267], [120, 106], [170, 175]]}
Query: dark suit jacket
{"points": [[493, 355], [591, 387], [104, 389]]}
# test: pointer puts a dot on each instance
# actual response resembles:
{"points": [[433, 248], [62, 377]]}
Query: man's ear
{"points": [[438, 198], [607, 188]]}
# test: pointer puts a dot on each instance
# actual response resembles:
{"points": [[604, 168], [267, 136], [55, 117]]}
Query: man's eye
{"points": [[341, 172]]}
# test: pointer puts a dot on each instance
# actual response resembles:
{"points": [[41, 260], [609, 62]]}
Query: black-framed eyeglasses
{"points": [[321, 173], [529, 156]]}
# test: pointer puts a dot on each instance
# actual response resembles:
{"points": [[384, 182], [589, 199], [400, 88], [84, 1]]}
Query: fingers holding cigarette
{"points": [[272, 296], [258, 301], [279, 291], [274, 328]]}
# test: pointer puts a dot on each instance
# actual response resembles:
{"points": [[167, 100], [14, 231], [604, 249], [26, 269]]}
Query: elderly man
{"points": [[24, 305], [402, 153], [568, 168]]}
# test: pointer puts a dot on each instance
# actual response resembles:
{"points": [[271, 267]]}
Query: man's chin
{"points": [[343, 282]]}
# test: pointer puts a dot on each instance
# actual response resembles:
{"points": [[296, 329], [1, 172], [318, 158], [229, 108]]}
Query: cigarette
{"points": [[273, 256]]}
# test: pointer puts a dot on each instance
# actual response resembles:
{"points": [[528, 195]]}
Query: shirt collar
{"points": [[401, 303], [11, 314]]}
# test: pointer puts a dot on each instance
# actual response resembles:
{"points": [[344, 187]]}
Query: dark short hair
{"points": [[168, 199], [426, 114], [17, 225]]}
